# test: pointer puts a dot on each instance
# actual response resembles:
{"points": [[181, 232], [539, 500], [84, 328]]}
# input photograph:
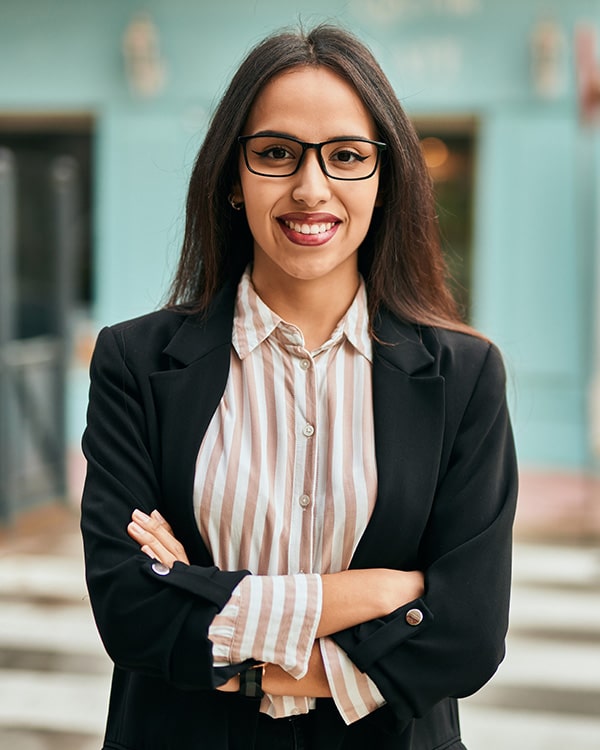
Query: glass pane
{"points": [[450, 157]]}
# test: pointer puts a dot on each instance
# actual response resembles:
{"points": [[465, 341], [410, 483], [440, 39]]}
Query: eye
{"points": [[346, 156], [275, 153]]}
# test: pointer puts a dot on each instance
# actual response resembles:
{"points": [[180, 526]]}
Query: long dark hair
{"points": [[400, 258]]}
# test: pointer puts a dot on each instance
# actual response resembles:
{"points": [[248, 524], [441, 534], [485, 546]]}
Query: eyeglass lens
{"points": [[274, 156]]}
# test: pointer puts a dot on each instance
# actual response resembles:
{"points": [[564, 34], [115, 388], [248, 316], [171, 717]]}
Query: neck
{"points": [[315, 306]]}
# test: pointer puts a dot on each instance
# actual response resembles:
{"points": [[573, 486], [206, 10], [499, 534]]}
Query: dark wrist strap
{"points": [[251, 682]]}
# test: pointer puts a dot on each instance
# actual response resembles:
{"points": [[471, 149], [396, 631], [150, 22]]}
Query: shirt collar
{"points": [[254, 322]]}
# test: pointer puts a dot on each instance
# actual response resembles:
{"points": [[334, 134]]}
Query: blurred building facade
{"points": [[501, 93]]}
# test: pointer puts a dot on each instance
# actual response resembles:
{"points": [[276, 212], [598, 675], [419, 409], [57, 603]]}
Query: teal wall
{"points": [[536, 229]]}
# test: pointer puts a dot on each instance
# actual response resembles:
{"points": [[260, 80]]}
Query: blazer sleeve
{"points": [[151, 620], [466, 555]]}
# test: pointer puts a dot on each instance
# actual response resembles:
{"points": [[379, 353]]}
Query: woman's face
{"points": [[308, 226]]}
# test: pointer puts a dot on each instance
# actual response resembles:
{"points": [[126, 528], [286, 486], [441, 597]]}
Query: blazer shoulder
{"points": [[464, 356], [140, 342], [164, 321]]}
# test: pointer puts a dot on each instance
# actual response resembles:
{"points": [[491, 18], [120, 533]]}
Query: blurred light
{"points": [[435, 152], [144, 66], [548, 64]]}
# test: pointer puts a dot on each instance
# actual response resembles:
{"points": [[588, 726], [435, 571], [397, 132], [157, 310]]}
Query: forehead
{"points": [[311, 103]]}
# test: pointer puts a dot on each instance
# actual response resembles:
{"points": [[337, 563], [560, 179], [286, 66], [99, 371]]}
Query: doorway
{"points": [[449, 149], [45, 281]]}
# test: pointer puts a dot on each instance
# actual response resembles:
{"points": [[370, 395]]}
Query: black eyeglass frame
{"points": [[381, 147]]}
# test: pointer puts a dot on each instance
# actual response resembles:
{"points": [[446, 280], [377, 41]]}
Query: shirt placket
{"points": [[305, 462]]}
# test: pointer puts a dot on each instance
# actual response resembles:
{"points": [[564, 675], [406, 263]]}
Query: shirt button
{"points": [[305, 364], [160, 569], [308, 430], [304, 501], [414, 617]]}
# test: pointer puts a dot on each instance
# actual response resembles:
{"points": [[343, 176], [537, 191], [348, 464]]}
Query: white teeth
{"points": [[309, 228]]}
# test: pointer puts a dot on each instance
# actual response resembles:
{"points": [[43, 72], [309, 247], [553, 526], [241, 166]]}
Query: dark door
{"points": [[45, 250]]}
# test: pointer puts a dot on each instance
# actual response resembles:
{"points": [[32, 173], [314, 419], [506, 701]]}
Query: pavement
{"points": [[54, 674]]}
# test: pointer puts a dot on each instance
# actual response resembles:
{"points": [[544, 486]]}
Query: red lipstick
{"points": [[309, 229]]}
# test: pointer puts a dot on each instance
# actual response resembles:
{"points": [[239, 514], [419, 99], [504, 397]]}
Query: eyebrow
{"points": [[277, 134]]}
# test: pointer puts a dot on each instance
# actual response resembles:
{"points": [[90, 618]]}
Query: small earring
{"points": [[236, 205]]}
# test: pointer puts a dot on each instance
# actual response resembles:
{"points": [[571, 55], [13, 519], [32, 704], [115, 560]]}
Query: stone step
{"points": [[556, 566], [25, 738], [568, 666], [55, 702], [490, 728], [44, 577], [566, 614], [64, 629]]}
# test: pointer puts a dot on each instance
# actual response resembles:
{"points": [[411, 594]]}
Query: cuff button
{"points": [[414, 617], [160, 569]]}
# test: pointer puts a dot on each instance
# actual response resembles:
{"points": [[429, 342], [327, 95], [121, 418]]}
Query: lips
{"points": [[309, 229]]}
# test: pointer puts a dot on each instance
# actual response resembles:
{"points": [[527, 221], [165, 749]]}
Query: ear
{"points": [[237, 193]]}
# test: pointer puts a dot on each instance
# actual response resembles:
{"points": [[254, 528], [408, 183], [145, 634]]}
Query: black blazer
{"points": [[447, 484]]}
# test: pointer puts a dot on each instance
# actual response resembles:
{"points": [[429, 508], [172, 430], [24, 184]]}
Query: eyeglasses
{"points": [[273, 155]]}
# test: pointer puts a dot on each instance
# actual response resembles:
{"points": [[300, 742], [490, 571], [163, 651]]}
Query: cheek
{"points": [[259, 211], [258, 197], [363, 206]]}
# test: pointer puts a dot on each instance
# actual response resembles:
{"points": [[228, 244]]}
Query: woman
{"points": [[301, 476]]}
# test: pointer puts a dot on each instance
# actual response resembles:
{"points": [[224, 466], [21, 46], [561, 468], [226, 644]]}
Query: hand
{"points": [[398, 587], [231, 686], [358, 595], [156, 538]]}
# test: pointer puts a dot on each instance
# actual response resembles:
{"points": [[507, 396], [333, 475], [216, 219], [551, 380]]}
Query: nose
{"points": [[312, 185]]}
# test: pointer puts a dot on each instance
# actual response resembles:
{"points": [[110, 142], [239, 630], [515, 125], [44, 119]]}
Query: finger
{"points": [[160, 536], [169, 542], [144, 519], [150, 545], [154, 523], [157, 516]]}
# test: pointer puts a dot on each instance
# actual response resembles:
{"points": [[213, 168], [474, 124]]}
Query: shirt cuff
{"points": [[354, 692], [222, 628], [269, 618]]}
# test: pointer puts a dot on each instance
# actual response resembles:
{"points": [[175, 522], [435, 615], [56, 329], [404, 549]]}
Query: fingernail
{"points": [[157, 515], [135, 528], [140, 515]]}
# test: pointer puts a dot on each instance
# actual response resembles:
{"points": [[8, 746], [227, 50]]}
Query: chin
{"points": [[310, 274]]}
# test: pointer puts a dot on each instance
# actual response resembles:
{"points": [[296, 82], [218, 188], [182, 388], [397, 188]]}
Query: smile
{"points": [[310, 228], [318, 231]]}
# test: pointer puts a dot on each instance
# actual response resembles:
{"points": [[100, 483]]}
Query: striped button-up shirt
{"points": [[285, 485]]}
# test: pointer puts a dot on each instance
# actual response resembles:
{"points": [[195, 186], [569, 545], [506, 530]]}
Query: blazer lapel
{"points": [[186, 398], [408, 405]]}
